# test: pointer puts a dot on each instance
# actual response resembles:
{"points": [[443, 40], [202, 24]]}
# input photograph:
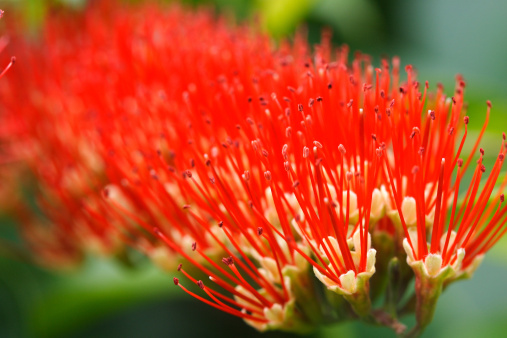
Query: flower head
{"points": [[295, 181]]}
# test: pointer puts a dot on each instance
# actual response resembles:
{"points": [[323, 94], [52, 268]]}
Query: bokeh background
{"points": [[441, 38]]}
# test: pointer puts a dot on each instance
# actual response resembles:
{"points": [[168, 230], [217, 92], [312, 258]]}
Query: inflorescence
{"points": [[290, 186]]}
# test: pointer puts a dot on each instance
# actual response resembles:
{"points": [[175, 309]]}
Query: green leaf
{"points": [[101, 288]]}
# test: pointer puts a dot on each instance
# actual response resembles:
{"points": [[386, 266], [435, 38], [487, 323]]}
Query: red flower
{"points": [[213, 145], [47, 140]]}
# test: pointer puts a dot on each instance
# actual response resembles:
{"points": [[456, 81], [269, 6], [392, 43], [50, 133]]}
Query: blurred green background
{"points": [[439, 37]]}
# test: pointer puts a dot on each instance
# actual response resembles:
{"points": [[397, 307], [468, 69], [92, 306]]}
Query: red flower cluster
{"points": [[173, 133], [4, 132]]}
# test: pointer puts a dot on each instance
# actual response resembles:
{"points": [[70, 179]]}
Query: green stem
{"points": [[428, 290], [393, 285], [360, 301]]}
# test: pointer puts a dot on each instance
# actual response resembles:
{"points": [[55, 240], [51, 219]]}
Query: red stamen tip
{"points": [[483, 168], [415, 131], [200, 284], [286, 165], [246, 175], [176, 281], [194, 246], [221, 223], [432, 115], [255, 145], [259, 231], [306, 152], [228, 261], [466, 119], [342, 149], [284, 151], [13, 59], [502, 198], [460, 162], [179, 267], [488, 103], [267, 175]]}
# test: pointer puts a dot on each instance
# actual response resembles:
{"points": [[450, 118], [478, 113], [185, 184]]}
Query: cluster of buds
{"points": [[296, 182]]}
